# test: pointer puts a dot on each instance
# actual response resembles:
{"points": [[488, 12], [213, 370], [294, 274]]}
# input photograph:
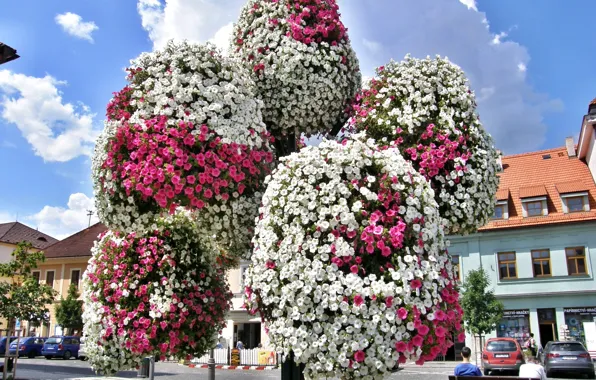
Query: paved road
{"points": [[41, 369]]}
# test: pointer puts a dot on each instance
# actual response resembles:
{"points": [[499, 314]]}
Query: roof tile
{"points": [[571, 187], [530, 171], [77, 245], [15, 232]]}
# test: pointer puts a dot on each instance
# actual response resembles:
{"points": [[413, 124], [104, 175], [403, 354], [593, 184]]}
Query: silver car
{"points": [[567, 357], [82, 351]]}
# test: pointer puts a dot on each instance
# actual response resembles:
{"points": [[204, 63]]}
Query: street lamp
{"points": [[7, 53]]}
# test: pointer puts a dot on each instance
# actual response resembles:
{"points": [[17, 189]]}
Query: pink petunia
{"points": [[358, 300], [359, 356], [402, 313], [400, 347]]}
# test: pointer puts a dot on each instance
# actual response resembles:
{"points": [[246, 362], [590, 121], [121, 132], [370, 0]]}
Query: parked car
{"points": [[28, 346], [567, 357], [3, 344], [502, 354], [65, 347], [82, 351]]}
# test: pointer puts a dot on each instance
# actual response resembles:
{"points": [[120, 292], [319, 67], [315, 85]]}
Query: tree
{"points": [[69, 312], [21, 295], [482, 310]]}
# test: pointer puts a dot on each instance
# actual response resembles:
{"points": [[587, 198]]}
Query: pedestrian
{"points": [[531, 344], [532, 369], [239, 345], [466, 368]]}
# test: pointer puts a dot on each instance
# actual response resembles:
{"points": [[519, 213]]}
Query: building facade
{"points": [[539, 249]]}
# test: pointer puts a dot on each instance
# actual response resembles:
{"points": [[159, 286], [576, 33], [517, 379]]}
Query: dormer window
{"points": [[501, 207], [533, 201], [574, 197]]}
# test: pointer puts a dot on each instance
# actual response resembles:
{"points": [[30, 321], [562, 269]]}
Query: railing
{"points": [[247, 357]]}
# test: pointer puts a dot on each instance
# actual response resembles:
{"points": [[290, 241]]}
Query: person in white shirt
{"points": [[532, 369]]}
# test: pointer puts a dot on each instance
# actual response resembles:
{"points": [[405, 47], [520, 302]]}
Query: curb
{"points": [[235, 367]]}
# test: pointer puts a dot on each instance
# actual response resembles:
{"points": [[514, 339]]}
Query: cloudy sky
{"points": [[531, 67]]}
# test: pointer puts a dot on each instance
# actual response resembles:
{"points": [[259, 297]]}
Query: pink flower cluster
{"points": [[436, 153], [316, 21], [126, 269], [178, 166]]}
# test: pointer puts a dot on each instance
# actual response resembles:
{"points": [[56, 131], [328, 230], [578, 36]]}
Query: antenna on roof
{"points": [[89, 213]]}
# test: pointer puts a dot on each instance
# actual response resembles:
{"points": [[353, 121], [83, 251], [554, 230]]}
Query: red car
{"points": [[502, 354]]}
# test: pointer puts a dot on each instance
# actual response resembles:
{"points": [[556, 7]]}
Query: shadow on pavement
{"points": [[84, 371]]}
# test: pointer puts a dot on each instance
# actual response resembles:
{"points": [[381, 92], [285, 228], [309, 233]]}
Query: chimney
{"points": [[570, 145], [499, 160]]}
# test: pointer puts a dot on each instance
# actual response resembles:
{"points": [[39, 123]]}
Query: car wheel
{"points": [[31, 354], [486, 372], [48, 357], [66, 355]]}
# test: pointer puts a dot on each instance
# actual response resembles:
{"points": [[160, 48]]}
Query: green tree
{"points": [[482, 310], [21, 295], [69, 312]]}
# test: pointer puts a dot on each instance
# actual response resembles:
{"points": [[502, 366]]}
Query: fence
{"points": [[246, 357]]}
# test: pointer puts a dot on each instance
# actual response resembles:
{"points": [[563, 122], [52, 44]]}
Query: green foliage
{"points": [[482, 310], [21, 295], [69, 312]]}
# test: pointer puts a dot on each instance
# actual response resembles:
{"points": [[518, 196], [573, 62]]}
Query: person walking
{"points": [[531, 344], [532, 369], [466, 368]]}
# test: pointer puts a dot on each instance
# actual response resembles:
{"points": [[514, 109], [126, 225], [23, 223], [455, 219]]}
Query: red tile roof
{"points": [[527, 174], [502, 194], [571, 187], [77, 245], [15, 232], [532, 191]]}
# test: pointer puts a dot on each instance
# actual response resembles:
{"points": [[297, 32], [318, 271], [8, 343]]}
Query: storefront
{"points": [[515, 324], [574, 319]]}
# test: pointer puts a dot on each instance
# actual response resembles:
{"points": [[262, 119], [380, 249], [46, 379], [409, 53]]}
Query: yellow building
{"points": [[66, 261]]}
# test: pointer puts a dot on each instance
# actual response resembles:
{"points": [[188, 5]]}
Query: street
{"points": [[42, 369]]}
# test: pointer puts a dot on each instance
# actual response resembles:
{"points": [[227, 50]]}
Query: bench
{"points": [[451, 377]]}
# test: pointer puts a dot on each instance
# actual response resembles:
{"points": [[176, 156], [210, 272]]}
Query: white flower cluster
{"points": [[159, 293], [191, 84], [305, 85], [325, 294], [424, 106]]}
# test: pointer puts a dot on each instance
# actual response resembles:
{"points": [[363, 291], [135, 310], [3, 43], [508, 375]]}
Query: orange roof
{"points": [[532, 191], [502, 194], [534, 174]]}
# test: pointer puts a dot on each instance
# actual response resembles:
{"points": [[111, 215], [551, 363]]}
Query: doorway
{"points": [[547, 333]]}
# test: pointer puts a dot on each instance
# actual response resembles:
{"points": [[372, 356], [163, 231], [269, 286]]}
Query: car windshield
{"points": [[567, 347], [501, 346], [54, 340]]}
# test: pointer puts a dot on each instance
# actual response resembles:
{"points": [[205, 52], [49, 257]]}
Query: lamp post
{"points": [[7, 53], [211, 366]]}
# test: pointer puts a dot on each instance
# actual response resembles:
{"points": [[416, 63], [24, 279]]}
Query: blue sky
{"points": [[531, 68]]}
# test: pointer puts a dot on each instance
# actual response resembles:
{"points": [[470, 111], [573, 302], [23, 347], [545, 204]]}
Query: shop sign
{"points": [[515, 313], [587, 310]]}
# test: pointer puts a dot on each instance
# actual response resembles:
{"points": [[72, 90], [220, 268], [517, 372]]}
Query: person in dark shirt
{"points": [[466, 368]]}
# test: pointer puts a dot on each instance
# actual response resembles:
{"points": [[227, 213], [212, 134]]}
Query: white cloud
{"points": [[194, 20], [507, 103], [373, 46], [497, 39], [61, 222], [74, 25], [471, 4], [57, 131], [7, 144], [521, 67]]}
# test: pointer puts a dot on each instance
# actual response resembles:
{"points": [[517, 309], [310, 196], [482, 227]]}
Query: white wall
{"points": [[591, 155], [5, 253]]}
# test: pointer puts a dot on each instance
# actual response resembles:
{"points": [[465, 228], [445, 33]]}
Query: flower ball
{"points": [[302, 62], [186, 131], [425, 108], [349, 269], [157, 293]]}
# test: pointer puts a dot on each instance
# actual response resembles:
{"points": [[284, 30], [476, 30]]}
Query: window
{"points": [[507, 269], [576, 261], [575, 204], [455, 262], [36, 275], [501, 346], [501, 210], [541, 263], [50, 278], [534, 208], [74, 277]]}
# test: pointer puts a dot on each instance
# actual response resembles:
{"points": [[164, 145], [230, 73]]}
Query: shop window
{"points": [[456, 267], [515, 324], [576, 261], [507, 265], [541, 263]]}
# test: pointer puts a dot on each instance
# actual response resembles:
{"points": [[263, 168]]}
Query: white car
{"points": [[82, 352]]}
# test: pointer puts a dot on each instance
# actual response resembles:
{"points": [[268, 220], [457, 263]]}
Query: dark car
{"points": [[502, 354], [65, 347], [28, 346], [567, 357], [3, 344]]}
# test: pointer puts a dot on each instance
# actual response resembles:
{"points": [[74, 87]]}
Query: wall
{"points": [[6, 252], [591, 155]]}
